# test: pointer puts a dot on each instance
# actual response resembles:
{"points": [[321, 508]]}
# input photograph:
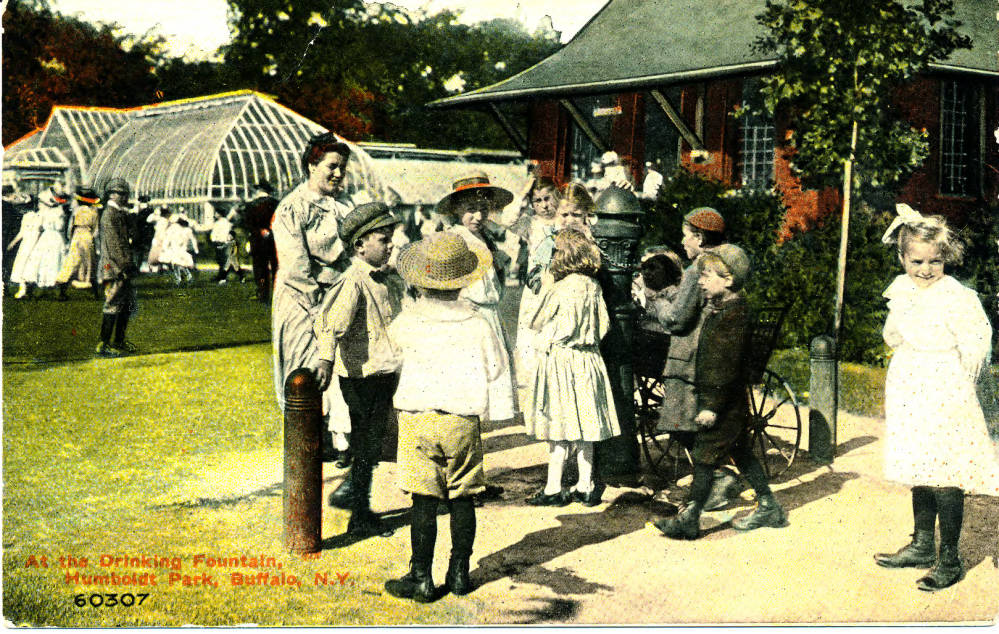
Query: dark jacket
{"points": [[116, 250], [257, 216], [721, 375], [682, 318]]}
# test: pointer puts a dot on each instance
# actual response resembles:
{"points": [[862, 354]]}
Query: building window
{"points": [[662, 139], [756, 132], [599, 113], [958, 147]]}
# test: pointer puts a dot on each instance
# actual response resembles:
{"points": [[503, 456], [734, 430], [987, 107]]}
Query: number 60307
{"points": [[109, 600]]}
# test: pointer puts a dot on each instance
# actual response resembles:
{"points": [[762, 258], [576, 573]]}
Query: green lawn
{"points": [[197, 317], [169, 455]]}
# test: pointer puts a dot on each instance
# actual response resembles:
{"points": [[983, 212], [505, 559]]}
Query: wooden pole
{"points": [[844, 236]]}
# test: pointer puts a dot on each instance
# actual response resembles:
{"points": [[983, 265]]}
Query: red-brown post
{"points": [[303, 467]]}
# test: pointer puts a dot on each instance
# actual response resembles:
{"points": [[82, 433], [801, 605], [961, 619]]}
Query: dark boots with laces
{"points": [[920, 553]]}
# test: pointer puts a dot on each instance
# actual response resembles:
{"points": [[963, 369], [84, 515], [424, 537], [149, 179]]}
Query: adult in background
{"points": [[257, 216], [115, 271], [78, 266], [45, 260], [306, 238]]}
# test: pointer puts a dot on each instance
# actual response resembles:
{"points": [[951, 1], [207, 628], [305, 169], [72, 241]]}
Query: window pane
{"points": [[956, 147], [756, 132]]}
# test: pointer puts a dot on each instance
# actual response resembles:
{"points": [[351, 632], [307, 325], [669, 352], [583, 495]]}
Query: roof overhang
{"points": [[632, 45]]}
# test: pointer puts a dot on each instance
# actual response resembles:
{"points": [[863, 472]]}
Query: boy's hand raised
{"points": [[705, 418]]}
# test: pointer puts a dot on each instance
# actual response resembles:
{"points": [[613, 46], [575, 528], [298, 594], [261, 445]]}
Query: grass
{"points": [[203, 315], [861, 387], [170, 455]]}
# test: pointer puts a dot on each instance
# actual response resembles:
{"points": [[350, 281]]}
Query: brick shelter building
{"points": [[657, 80]]}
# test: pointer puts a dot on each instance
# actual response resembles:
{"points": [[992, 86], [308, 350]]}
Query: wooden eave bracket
{"points": [[584, 125], [688, 135], [519, 143]]}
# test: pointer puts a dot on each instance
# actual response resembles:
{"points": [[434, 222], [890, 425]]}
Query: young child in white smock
{"points": [[571, 404], [936, 439]]}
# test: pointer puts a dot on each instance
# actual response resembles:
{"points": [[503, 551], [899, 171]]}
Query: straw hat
{"points": [[443, 261], [87, 196], [476, 183]]}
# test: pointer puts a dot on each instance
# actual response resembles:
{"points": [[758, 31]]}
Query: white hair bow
{"points": [[906, 215]]}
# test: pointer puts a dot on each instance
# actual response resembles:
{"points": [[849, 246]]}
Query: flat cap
{"points": [[706, 219], [736, 261], [364, 219]]}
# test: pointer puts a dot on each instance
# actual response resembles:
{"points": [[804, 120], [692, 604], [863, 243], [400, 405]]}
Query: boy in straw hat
{"points": [[352, 342], [450, 355]]}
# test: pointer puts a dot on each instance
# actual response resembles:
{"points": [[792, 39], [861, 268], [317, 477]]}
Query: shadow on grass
{"points": [[273, 490], [394, 519]]}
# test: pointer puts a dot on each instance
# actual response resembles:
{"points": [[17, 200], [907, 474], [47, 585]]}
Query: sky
{"points": [[195, 28]]}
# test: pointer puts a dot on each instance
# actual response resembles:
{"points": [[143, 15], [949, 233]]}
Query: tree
{"points": [[838, 69], [50, 59], [367, 70]]}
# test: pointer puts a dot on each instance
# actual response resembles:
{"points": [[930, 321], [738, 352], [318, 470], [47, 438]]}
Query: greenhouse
{"points": [[186, 153]]}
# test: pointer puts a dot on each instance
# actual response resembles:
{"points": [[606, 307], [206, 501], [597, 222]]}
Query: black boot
{"points": [[120, 326], [920, 553], [723, 480], [343, 495], [685, 525], [768, 513], [62, 297], [418, 583], [457, 581], [104, 348], [948, 569]]}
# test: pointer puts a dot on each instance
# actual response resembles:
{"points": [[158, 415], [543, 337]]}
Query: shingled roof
{"points": [[635, 44]]}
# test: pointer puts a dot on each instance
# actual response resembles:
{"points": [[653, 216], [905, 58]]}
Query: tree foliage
{"points": [[367, 70], [51, 59], [840, 62]]}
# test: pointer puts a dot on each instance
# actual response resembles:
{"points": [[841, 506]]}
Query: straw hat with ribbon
{"points": [[87, 196], [474, 184], [443, 261]]}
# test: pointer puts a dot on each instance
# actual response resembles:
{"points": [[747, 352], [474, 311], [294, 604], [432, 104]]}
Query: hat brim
{"points": [[386, 221], [497, 196], [411, 265]]}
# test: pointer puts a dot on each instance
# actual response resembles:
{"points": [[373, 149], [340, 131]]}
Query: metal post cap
{"points": [[823, 347], [615, 201]]}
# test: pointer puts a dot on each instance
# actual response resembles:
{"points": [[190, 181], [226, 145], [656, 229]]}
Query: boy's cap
{"points": [[706, 219], [364, 219], [443, 261], [118, 185], [736, 261]]}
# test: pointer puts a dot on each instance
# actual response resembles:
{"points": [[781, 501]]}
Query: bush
{"points": [[801, 270]]}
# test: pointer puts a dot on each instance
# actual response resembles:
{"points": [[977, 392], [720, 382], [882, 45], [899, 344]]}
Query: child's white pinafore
{"points": [[935, 430]]}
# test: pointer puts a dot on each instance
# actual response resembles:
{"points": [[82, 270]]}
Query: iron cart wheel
{"points": [[774, 423]]}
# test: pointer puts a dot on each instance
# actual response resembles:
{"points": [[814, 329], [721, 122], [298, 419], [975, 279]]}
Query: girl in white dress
{"points": [[571, 404], [31, 228], [471, 201], [936, 437], [45, 260], [544, 201]]}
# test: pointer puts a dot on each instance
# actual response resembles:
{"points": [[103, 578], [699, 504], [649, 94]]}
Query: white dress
{"points": [[935, 430], [526, 351], [485, 294], [177, 245], [45, 261], [31, 228], [571, 396]]}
